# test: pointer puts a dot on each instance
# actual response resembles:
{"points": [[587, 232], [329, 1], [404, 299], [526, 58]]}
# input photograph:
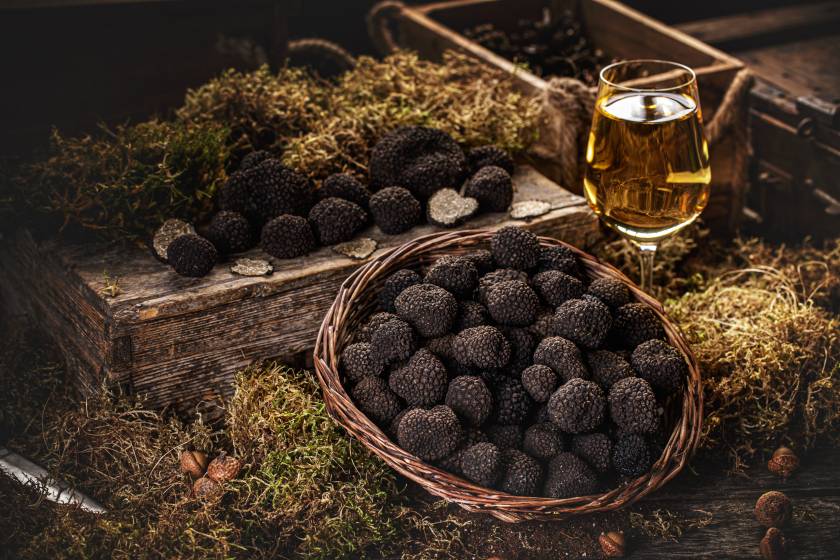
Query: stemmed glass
{"points": [[647, 173]]}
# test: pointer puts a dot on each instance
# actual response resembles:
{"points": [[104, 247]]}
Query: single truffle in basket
{"points": [[562, 356], [577, 406], [492, 279], [481, 347], [230, 232], [429, 434], [614, 293], [470, 398], [514, 247], [540, 381], [512, 401], [394, 286], [374, 322], [452, 462], [543, 441], [454, 274], [661, 365], [375, 399], [560, 258], [513, 303], [569, 476], [555, 287], [470, 314], [287, 237], [420, 159], [482, 156], [594, 448], [522, 473], [635, 323], [631, 455], [336, 220], [482, 463], [392, 341], [522, 345], [265, 191], [428, 308], [543, 325], [492, 187], [633, 405], [191, 255], [422, 381], [607, 367], [345, 186], [506, 437], [395, 210], [483, 261], [585, 322], [357, 362]]}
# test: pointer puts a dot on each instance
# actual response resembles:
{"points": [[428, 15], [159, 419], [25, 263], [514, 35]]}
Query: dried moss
{"points": [[666, 525]]}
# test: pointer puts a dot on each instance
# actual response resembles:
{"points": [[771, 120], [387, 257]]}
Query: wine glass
{"points": [[647, 160]]}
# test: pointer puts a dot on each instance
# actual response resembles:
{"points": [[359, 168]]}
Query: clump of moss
{"points": [[666, 525]]}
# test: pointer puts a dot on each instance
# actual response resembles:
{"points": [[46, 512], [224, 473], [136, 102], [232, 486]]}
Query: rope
{"points": [[377, 24]]}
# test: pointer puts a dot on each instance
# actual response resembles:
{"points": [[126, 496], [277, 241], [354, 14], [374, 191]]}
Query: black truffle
{"points": [[287, 236], [428, 308], [481, 347], [514, 247], [569, 477], [452, 462], [265, 191], [395, 210], [418, 158], [470, 314], [344, 185], [429, 434], [521, 348], [336, 220], [584, 322], [540, 381], [506, 437], [441, 347], [254, 158], [470, 398], [392, 341], [558, 257], [612, 292], [454, 274], [357, 362], [492, 279], [482, 156], [482, 463], [394, 285], [492, 188], [661, 365], [562, 356], [422, 381], [513, 403], [607, 367], [631, 455], [191, 255], [635, 323], [543, 441], [633, 405], [555, 287], [513, 303], [594, 448], [230, 232], [374, 398], [577, 406], [522, 473], [483, 261], [543, 325], [364, 334]]}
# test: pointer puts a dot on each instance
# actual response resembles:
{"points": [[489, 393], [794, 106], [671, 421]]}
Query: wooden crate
{"points": [[617, 29], [178, 341]]}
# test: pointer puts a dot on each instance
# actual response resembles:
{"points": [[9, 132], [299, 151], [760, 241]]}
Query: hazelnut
{"points": [[194, 463], [612, 544], [772, 546], [206, 488], [223, 468], [773, 509], [783, 463]]}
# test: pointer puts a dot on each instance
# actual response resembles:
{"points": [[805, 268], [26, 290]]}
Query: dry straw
{"points": [[354, 302]]}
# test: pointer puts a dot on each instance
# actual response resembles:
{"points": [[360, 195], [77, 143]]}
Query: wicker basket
{"points": [[357, 298]]}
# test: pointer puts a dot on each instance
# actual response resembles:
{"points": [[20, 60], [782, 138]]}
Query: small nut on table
{"points": [[194, 463], [773, 509], [772, 546], [612, 544], [223, 468], [783, 463]]}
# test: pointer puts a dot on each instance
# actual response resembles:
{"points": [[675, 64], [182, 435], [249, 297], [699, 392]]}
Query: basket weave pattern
{"points": [[357, 298]]}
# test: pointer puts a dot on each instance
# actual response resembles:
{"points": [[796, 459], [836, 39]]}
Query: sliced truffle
{"points": [[555, 287], [345, 186], [470, 314], [492, 187], [661, 365], [230, 232], [481, 347], [394, 285], [513, 303], [482, 156], [514, 247], [395, 210], [522, 473], [191, 255], [577, 406], [543, 441], [607, 367], [357, 362], [631, 455], [633, 405], [392, 341], [540, 381], [374, 321], [454, 274], [633, 324], [506, 437], [512, 401], [614, 293], [287, 237], [490, 280], [374, 398], [470, 398], [594, 448], [521, 348], [482, 463], [569, 477], [584, 322], [446, 208], [336, 220], [558, 257], [422, 381], [428, 308], [562, 356], [429, 434]]}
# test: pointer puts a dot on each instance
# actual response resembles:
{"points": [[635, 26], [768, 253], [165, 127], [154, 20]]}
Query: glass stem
{"points": [[647, 253]]}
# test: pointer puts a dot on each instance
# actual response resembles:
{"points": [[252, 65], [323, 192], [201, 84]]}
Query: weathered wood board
{"points": [[179, 341]]}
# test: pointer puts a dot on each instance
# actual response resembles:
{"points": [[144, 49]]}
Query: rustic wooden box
{"points": [[179, 341], [620, 31]]}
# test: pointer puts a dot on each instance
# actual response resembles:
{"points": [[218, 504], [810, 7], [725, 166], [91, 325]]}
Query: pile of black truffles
{"points": [[510, 368], [268, 203]]}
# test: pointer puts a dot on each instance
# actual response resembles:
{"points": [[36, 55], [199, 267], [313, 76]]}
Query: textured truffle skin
{"points": [[540, 381], [373, 323], [287, 237], [454, 274], [633, 405], [543, 325], [482, 156], [358, 362], [344, 185], [452, 462], [394, 285], [470, 398], [428, 308], [492, 187], [607, 367], [492, 279], [631, 455], [395, 210], [661, 365], [569, 476], [230, 232], [558, 257], [773, 509], [513, 403], [594, 448], [562, 356], [483, 261], [429, 434], [506, 437], [482, 347], [418, 158], [635, 323], [422, 381], [392, 341], [521, 348], [522, 473], [577, 406], [266, 191], [470, 314], [543, 441], [555, 287], [191, 255], [482, 463], [584, 322], [374, 398], [253, 159], [513, 303], [514, 247], [336, 220], [614, 293]]}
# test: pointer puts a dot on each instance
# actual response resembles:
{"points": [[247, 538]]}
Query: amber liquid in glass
{"points": [[647, 160]]}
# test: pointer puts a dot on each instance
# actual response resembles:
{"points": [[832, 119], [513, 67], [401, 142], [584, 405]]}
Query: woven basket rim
{"points": [[350, 304]]}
